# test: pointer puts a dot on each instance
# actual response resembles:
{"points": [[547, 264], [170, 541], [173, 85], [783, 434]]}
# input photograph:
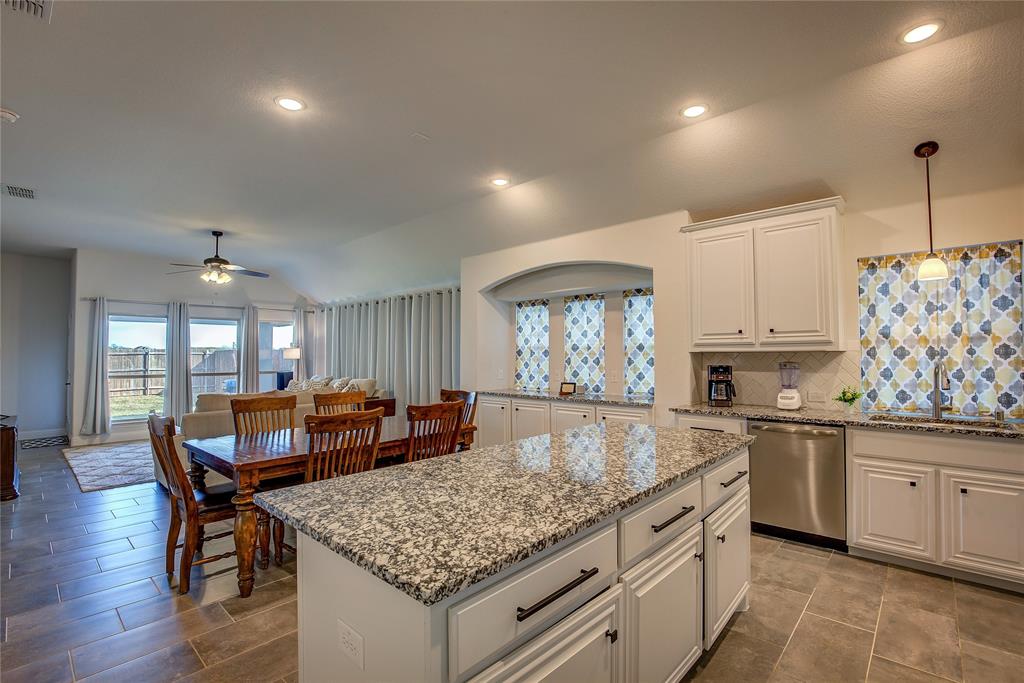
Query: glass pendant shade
{"points": [[932, 268]]}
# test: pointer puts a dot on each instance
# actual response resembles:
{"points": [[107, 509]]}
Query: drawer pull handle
{"points": [[963, 491], [707, 429], [613, 635], [674, 518], [700, 557], [721, 538], [913, 484], [739, 475], [524, 613], [739, 331]]}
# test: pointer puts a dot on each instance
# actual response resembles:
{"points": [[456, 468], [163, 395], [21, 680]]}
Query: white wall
{"points": [[118, 275], [655, 243], [34, 341]]}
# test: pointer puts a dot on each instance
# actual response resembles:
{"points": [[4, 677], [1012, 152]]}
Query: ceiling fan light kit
{"points": [[216, 268]]}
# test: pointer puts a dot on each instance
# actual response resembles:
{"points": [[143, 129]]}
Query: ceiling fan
{"points": [[217, 270]]}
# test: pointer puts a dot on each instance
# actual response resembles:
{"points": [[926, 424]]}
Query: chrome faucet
{"points": [[940, 383]]}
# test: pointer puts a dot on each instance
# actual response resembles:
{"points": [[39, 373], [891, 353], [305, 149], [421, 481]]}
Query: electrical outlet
{"points": [[501, 373], [351, 643], [815, 396]]}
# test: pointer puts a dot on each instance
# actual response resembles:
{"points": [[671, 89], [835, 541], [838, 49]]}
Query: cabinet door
{"points": [[983, 522], [623, 415], [585, 646], [530, 418], [565, 417], [722, 286], [494, 423], [726, 563], [662, 624], [894, 507], [793, 266]]}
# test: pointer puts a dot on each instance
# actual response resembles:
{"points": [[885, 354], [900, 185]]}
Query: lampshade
{"points": [[932, 268], [291, 353]]}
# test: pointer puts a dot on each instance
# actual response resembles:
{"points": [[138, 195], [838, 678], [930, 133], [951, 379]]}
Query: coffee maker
{"points": [[721, 390]]}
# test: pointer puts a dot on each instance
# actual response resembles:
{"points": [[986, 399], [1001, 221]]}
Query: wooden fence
{"points": [[143, 372]]}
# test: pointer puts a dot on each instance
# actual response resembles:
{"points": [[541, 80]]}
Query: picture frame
{"points": [[567, 389]]}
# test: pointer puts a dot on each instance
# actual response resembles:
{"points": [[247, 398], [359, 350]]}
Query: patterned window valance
{"points": [[638, 340], [532, 342], [971, 323], [584, 341]]}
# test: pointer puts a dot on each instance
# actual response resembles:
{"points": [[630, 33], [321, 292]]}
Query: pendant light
{"points": [[933, 267]]}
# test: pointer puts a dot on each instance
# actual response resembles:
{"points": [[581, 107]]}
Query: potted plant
{"points": [[849, 397]]}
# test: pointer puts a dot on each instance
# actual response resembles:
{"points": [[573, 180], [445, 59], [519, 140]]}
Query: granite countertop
{"points": [[434, 527], [1005, 430], [630, 401]]}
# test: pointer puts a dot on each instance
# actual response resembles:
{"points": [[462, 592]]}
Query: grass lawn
{"points": [[135, 406]]}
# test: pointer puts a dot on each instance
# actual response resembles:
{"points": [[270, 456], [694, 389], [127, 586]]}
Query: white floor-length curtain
{"points": [[96, 419], [409, 343], [305, 339], [250, 356], [178, 394]]}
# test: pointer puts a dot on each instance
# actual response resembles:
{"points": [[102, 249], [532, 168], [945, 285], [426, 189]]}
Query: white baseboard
{"points": [[40, 433]]}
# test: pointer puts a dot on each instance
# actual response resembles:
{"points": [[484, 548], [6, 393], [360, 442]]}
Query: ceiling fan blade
{"points": [[251, 273], [186, 265], [190, 270]]}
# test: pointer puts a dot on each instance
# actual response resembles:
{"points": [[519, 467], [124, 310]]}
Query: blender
{"points": [[789, 377]]}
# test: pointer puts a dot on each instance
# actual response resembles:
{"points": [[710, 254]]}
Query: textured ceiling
{"points": [[146, 123]]}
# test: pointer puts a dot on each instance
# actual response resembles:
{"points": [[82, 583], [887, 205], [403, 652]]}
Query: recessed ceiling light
{"points": [[499, 182], [290, 103], [922, 32], [695, 110]]}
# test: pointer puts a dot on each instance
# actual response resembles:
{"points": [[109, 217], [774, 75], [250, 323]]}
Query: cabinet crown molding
{"points": [[836, 202]]}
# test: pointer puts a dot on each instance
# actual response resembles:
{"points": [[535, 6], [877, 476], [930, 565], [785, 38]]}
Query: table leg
{"points": [[197, 475], [245, 536], [263, 534]]}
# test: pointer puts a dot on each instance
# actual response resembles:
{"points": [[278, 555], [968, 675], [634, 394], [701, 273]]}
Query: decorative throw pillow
{"points": [[293, 385], [304, 385], [317, 384], [340, 383]]}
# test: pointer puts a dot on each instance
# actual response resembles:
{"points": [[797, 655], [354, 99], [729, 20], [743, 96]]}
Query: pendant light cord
{"points": [[928, 186]]}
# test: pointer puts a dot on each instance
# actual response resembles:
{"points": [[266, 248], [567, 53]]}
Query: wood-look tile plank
{"points": [[104, 580], [79, 608], [101, 537], [123, 647], [35, 564], [44, 527], [131, 555], [254, 631], [263, 597], [53, 669], [124, 522], [63, 637], [51, 534], [150, 538], [271, 661], [49, 576], [163, 605], [167, 664], [27, 600]]}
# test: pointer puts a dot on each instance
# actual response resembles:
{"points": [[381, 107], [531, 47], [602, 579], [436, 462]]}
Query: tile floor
{"points": [[816, 615], [85, 597]]}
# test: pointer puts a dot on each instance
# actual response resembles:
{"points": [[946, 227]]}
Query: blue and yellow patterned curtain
{"points": [[971, 323], [638, 340], [584, 341], [532, 342]]}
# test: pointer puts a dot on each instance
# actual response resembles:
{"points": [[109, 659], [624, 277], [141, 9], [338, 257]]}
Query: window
{"points": [[136, 365], [532, 352], [214, 356], [971, 323], [274, 337], [638, 340], [584, 341]]}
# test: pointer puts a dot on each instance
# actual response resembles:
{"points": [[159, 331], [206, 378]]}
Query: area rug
{"points": [[111, 465]]}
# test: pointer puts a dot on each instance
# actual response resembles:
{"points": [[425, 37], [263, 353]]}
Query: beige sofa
{"points": [[212, 417]]}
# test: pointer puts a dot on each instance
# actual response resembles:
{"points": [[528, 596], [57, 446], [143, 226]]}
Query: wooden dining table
{"points": [[255, 458]]}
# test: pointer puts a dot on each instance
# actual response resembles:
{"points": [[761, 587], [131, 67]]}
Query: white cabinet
{"points": [[894, 507], [494, 422], [726, 563], [722, 287], [624, 415], [662, 624], [568, 415], [530, 418], [767, 280], [983, 522], [585, 646], [794, 267]]}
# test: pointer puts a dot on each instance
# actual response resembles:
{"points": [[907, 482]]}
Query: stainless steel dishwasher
{"points": [[798, 482]]}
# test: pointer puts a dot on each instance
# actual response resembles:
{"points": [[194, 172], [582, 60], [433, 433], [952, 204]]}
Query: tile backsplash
{"points": [[756, 374]]}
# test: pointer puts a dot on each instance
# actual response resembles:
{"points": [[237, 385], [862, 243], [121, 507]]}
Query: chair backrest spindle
{"points": [[342, 444], [433, 430], [263, 414], [337, 402]]}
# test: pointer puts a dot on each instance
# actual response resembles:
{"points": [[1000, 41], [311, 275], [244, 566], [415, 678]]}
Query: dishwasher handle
{"points": [[794, 429]]}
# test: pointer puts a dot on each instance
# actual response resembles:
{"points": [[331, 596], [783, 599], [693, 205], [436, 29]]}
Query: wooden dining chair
{"points": [[433, 430], [261, 415], [468, 413], [337, 445], [337, 402], [195, 508]]}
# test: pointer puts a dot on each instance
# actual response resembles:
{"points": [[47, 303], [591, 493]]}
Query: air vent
{"points": [[19, 192], [40, 9]]}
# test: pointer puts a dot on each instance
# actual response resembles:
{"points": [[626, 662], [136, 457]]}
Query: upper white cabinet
{"points": [[767, 280], [722, 286]]}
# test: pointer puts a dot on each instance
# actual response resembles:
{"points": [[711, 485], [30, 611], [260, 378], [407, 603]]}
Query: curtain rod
{"points": [[385, 297], [963, 246], [272, 307]]}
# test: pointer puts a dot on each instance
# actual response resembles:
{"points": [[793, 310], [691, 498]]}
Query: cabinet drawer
{"points": [[710, 423], [659, 520], [486, 622], [726, 479]]}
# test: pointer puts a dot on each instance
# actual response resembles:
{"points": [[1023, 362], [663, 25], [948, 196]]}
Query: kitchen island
{"points": [[555, 551]]}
